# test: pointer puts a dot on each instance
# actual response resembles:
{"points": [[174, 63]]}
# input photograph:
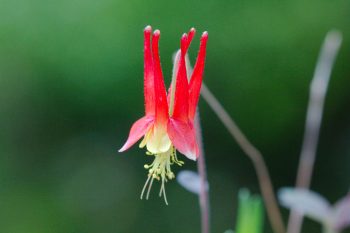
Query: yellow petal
{"points": [[158, 141], [146, 138]]}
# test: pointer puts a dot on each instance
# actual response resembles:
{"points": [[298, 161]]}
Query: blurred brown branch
{"points": [[318, 90], [254, 155], [203, 194]]}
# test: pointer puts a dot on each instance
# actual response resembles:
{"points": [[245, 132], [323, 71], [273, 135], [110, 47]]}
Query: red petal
{"points": [[148, 73], [182, 135], [138, 129], [161, 108], [197, 77], [181, 90], [191, 34]]}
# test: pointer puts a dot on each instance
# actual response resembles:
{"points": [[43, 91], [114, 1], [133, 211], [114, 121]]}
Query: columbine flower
{"points": [[168, 124]]}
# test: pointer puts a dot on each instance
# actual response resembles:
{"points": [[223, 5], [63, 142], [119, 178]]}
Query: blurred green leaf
{"points": [[250, 213], [229, 231]]}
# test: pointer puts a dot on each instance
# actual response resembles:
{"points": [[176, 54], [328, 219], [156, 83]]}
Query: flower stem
{"points": [[203, 194], [318, 90], [204, 203], [256, 158]]}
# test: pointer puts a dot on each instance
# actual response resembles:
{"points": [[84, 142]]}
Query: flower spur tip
{"points": [[148, 29], [184, 42], [205, 35], [156, 33]]}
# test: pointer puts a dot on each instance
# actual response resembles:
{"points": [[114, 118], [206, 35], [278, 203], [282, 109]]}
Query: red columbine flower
{"points": [[168, 122]]}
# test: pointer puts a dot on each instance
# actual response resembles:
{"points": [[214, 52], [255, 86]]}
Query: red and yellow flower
{"points": [[168, 124]]}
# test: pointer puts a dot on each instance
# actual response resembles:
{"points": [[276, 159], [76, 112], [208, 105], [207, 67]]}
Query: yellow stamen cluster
{"points": [[160, 170]]}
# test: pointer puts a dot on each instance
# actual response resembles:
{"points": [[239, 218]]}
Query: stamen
{"points": [[149, 188], [165, 199], [144, 187], [160, 191], [160, 169]]}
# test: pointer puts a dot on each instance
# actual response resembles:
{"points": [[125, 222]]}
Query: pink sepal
{"points": [[138, 129], [183, 136]]}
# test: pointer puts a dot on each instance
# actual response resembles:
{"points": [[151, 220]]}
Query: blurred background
{"points": [[71, 86]]}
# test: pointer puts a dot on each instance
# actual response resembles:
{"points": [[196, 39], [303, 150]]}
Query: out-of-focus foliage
{"points": [[250, 213], [190, 181], [310, 204], [71, 86]]}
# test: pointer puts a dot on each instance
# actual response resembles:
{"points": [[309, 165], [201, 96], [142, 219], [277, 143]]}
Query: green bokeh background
{"points": [[71, 86]]}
